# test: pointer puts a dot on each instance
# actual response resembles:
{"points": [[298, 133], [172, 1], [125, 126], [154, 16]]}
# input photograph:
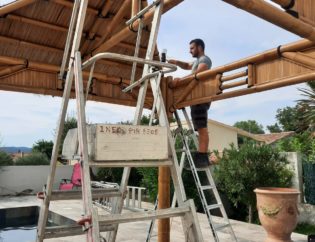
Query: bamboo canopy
{"points": [[32, 41]]}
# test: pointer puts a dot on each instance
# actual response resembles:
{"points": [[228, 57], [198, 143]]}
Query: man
{"points": [[199, 113]]}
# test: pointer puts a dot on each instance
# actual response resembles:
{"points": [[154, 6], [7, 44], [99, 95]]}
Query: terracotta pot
{"points": [[278, 212]]}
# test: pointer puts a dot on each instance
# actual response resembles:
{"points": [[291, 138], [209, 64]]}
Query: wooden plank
{"points": [[64, 231], [127, 142], [142, 216], [133, 163], [77, 194]]}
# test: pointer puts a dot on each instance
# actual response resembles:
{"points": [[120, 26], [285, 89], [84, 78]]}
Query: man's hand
{"points": [[174, 82]]}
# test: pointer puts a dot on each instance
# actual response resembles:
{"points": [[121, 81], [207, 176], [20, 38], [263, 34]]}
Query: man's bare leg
{"points": [[203, 140]]}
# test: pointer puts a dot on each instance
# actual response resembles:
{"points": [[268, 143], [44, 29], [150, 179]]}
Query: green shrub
{"points": [[34, 159], [241, 171], [5, 159]]}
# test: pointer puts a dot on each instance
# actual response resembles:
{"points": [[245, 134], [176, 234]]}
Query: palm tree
{"points": [[306, 107]]}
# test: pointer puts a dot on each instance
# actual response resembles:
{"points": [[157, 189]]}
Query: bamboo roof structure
{"points": [[33, 35]]}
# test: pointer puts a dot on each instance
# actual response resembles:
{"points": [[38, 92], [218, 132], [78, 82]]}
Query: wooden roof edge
{"points": [[13, 6]]}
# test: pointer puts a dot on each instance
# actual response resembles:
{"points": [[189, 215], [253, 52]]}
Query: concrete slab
{"points": [[137, 231]]}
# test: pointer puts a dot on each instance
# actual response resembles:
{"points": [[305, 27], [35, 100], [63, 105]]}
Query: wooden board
{"points": [[129, 142]]}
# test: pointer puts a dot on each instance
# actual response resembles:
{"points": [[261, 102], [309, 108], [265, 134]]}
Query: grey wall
{"points": [[15, 179]]}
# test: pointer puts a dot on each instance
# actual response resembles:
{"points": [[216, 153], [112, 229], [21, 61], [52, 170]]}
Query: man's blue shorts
{"points": [[199, 115]]}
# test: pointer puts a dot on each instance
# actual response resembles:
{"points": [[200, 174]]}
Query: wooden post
{"points": [[274, 15], [251, 75], [164, 202], [218, 83]]}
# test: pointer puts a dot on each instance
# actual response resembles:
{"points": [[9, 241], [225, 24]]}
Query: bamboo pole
{"points": [[126, 32], [12, 61], [218, 83], [11, 70], [37, 23], [116, 19], [286, 4], [251, 75], [259, 88], [234, 84], [274, 15], [53, 68], [29, 44], [255, 59], [233, 76], [13, 6], [300, 58]]}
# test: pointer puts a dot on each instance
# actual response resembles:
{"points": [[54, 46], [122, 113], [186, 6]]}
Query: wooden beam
{"points": [[300, 58], [37, 22], [233, 84], [11, 70], [13, 6], [69, 4], [286, 4], [29, 44], [126, 32], [116, 19], [274, 15], [233, 76], [254, 89], [255, 59]]}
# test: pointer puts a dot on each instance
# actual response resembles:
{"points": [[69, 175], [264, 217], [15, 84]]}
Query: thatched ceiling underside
{"points": [[32, 42]]}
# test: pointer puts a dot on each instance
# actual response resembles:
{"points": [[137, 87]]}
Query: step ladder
{"points": [[92, 223], [207, 186]]}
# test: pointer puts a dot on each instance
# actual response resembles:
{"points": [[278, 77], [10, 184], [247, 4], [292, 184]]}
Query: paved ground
{"points": [[133, 232]]}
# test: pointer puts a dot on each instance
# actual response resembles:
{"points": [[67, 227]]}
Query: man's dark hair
{"points": [[198, 42]]}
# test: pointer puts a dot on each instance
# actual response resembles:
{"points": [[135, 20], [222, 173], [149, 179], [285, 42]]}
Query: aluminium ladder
{"points": [[197, 173], [92, 224], [186, 138]]}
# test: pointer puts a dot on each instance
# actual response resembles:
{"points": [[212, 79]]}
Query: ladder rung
{"points": [[77, 194], [214, 206], [141, 216], [207, 187], [221, 226], [70, 230], [131, 163]]}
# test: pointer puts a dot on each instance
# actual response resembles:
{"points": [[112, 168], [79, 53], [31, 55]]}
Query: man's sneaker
{"points": [[201, 160]]}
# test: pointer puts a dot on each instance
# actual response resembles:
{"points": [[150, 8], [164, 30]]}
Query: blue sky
{"points": [[229, 34]]}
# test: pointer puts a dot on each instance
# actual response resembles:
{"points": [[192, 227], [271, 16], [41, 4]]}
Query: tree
{"points": [[250, 126], [306, 107], [5, 159], [242, 170], [34, 159], [43, 146], [288, 118], [275, 128]]}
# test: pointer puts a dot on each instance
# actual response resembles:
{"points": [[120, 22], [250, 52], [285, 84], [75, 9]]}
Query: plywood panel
{"points": [[126, 142]]}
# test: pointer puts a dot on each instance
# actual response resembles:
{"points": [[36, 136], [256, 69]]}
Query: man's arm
{"points": [[201, 67], [181, 64]]}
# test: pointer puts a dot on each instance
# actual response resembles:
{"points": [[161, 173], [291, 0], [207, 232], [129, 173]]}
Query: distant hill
{"points": [[16, 149]]}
